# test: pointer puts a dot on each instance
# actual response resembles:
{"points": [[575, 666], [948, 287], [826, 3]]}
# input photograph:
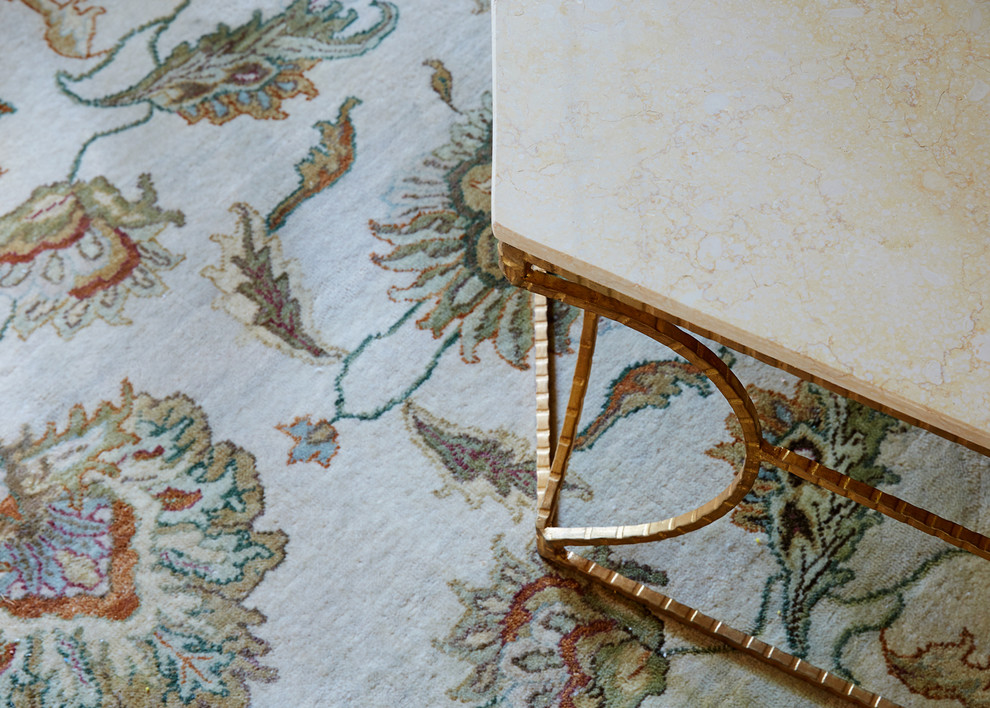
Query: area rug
{"points": [[267, 430]]}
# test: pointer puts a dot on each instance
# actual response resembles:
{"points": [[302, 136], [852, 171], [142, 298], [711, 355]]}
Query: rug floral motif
{"points": [[482, 464], [538, 638], [74, 252], [127, 548], [444, 235], [267, 428], [249, 70], [811, 532]]}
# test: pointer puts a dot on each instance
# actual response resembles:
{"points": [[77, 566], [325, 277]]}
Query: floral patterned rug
{"points": [[267, 430]]}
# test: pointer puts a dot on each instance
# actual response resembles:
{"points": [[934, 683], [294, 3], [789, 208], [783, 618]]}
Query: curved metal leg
{"points": [[546, 514], [550, 540], [708, 512], [758, 451]]}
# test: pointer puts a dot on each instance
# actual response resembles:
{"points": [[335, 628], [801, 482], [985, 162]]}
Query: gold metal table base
{"points": [[552, 540]]}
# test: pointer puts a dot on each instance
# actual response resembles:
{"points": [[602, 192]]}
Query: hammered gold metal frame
{"points": [[538, 277]]}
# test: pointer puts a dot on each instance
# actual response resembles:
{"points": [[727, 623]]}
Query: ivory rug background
{"points": [[267, 407]]}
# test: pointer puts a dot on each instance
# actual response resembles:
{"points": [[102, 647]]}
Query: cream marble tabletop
{"points": [[809, 178]]}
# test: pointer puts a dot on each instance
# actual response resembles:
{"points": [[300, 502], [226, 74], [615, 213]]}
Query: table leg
{"points": [[758, 451], [551, 468]]}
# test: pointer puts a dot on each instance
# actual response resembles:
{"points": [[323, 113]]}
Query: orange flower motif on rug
{"points": [[130, 528], [538, 638], [70, 26], [74, 251]]}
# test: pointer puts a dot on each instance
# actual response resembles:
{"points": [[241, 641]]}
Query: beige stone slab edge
{"points": [[747, 343]]}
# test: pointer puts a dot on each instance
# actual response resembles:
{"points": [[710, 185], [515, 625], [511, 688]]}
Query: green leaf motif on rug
{"points": [[443, 234], [646, 385], [190, 665], [232, 551], [641, 573], [812, 533], [257, 288], [536, 638], [251, 69], [77, 685]]}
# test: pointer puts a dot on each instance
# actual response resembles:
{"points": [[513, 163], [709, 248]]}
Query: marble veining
{"points": [[811, 177]]}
